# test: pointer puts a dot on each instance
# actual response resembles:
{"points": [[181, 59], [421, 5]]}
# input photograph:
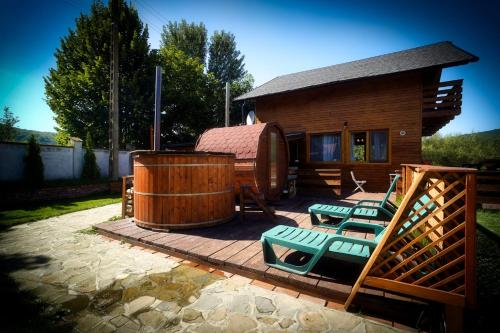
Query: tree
{"points": [[190, 38], [7, 123], [62, 138], [90, 167], [186, 95], [225, 61], [239, 109], [77, 89], [33, 165], [457, 150]]}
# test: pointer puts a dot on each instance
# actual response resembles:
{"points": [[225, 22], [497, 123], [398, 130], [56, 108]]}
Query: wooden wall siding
{"points": [[433, 257], [488, 187], [320, 181], [393, 103]]}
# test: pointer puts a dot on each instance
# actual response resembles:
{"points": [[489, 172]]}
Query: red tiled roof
{"points": [[242, 141]]}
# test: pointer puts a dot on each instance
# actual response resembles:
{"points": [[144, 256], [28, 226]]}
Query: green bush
{"points": [[33, 165], [90, 167], [457, 150]]}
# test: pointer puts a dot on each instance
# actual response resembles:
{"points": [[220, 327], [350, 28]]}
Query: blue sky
{"points": [[276, 37]]}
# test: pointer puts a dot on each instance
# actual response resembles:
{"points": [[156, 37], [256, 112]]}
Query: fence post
{"points": [[77, 157]]}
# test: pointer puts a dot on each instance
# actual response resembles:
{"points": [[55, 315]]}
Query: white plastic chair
{"points": [[359, 183]]}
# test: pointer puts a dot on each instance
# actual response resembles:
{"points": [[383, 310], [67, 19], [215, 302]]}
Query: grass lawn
{"points": [[490, 219], [42, 211]]}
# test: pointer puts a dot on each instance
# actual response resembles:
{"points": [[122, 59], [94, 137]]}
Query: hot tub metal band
{"points": [[180, 165], [181, 194]]}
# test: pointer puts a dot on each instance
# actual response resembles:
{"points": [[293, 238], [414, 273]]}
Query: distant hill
{"points": [[487, 135], [462, 149], [45, 138]]}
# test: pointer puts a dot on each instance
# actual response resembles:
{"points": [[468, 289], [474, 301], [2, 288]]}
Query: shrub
{"points": [[90, 167], [457, 150], [33, 165]]}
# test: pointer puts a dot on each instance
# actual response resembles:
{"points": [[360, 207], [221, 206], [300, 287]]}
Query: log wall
{"points": [[393, 103]]}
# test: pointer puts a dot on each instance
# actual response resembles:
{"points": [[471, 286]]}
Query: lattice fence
{"points": [[428, 249]]}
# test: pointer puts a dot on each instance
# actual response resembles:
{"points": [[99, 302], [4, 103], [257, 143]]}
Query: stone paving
{"points": [[107, 286]]}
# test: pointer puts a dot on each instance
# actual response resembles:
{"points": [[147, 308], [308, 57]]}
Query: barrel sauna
{"points": [[261, 152], [180, 190]]}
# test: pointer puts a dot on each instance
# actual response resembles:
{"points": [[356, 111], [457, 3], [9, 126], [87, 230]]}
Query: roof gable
{"points": [[443, 54]]}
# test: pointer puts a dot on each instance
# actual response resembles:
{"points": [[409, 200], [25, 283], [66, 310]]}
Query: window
{"points": [[325, 148], [273, 160], [378, 146], [358, 147], [370, 146]]}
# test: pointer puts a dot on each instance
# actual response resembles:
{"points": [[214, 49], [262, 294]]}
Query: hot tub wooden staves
{"points": [[179, 190]]}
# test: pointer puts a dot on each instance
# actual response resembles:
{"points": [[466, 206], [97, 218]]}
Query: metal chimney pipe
{"points": [[228, 97], [156, 145]]}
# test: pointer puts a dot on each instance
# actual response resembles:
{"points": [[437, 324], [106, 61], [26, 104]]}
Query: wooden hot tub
{"points": [[180, 190]]}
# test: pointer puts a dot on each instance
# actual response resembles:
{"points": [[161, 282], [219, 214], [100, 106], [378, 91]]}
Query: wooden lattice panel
{"points": [[428, 249]]}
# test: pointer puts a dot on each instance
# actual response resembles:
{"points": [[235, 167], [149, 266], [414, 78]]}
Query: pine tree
{"points": [[7, 123], [225, 61], [33, 165], [90, 167]]}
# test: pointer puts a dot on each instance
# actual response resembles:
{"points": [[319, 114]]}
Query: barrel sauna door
{"points": [[276, 159]]}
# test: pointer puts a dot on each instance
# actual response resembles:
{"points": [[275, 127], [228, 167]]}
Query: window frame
{"points": [[308, 146], [367, 142], [368, 146]]}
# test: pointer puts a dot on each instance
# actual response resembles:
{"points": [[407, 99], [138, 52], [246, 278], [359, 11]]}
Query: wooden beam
{"points": [[124, 196], [435, 93], [388, 231], [441, 113], [457, 97], [416, 291], [447, 105], [445, 84], [470, 240]]}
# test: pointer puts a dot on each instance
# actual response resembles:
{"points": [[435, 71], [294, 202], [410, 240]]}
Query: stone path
{"points": [[106, 286]]}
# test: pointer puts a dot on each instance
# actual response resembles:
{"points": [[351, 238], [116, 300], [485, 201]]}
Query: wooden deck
{"points": [[235, 247]]}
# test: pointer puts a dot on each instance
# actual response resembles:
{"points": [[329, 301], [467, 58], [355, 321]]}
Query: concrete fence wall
{"points": [[59, 162]]}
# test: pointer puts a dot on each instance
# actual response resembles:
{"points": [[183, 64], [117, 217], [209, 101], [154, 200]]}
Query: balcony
{"points": [[440, 104]]}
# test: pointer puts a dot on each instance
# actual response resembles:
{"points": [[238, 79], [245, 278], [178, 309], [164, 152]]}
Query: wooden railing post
{"points": [[470, 240], [435, 258], [124, 196]]}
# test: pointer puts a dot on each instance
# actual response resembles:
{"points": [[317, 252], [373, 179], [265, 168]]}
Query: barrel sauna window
{"points": [[273, 160]]}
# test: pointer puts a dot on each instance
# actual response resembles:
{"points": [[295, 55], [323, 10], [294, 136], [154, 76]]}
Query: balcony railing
{"points": [[440, 104]]}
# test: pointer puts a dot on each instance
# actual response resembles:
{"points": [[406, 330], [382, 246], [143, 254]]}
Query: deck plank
{"points": [[237, 245]]}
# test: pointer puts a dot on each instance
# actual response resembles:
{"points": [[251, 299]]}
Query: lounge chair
{"points": [[317, 244], [337, 246], [382, 210]]}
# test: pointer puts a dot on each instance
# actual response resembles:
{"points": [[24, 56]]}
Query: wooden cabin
{"points": [[366, 116], [261, 155]]}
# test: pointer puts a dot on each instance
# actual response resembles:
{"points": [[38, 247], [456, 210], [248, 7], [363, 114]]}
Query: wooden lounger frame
{"points": [[436, 258]]}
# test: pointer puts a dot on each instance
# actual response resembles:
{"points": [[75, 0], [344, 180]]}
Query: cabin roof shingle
{"points": [[443, 54], [243, 141]]}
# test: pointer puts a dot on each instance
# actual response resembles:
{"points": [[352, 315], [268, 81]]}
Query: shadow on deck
{"points": [[235, 247]]}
